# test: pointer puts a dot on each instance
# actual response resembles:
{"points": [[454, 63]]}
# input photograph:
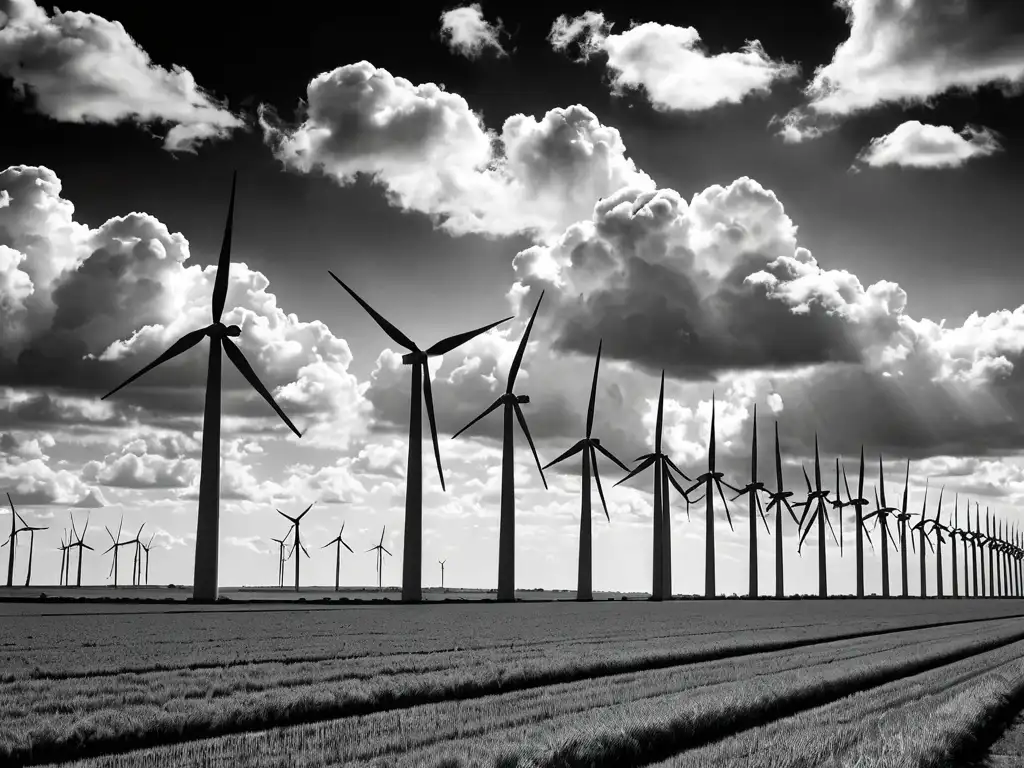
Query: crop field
{"points": [[545, 684]]}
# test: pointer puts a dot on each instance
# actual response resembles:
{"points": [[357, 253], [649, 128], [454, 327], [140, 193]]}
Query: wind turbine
{"points": [[920, 526], [380, 550], [412, 555], [208, 524], [661, 560], [507, 524], [711, 480], [588, 447], [857, 504], [982, 540], [297, 543], [13, 541], [838, 505], [115, 546], [938, 527], [79, 542], [954, 531], [902, 517], [442, 562], [338, 542], [882, 512], [821, 515], [972, 536], [63, 556], [146, 548], [280, 556], [137, 559], [31, 545], [779, 499], [990, 540], [753, 488]]}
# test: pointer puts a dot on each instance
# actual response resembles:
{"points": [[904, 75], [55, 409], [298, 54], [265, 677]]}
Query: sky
{"points": [[814, 214]]}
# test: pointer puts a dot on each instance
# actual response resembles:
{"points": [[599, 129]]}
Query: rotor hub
{"points": [[219, 331]]}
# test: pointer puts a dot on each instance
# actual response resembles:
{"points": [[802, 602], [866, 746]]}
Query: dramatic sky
{"points": [[815, 213]]}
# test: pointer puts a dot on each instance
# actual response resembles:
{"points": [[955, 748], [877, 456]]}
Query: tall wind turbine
{"points": [[78, 542], [115, 546], [982, 540], [920, 527], [990, 540], [412, 555], [939, 528], [31, 545], [588, 447], [146, 548], [381, 550], [441, 563], [297, 543], [137, 559], [821, 515], [507, 524], [839, 505], [338, 542], [711, 480], [882, 512], [661, 560], [12, 540], [63, 556], [779, 499], [753, 488], [902, 517], [858, 504], [972, 536], [280, 556], [954, 531], [208, 525]]}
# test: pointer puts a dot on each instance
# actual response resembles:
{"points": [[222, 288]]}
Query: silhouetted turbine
{"points": [[338, 543], [412, 555], [381, 550], [441, 563], [115, 547], [208, 524], [752, 489], [780, 499], [146, 548], [861, 530], [507, 522], [820, 515], [588, 447], [921, 527], [902, 518], [954, 531], [297, 543], [882, 513], [661, 560], [79, 543]]}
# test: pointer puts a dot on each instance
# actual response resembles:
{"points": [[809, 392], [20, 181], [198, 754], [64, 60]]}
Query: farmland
{"points": [[553, 684]]}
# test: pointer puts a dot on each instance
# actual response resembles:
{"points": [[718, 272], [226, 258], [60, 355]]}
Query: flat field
{"points": [[609, 683]]}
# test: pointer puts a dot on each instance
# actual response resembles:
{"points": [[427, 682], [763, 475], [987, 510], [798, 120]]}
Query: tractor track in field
{"points": [[660, 748], [999, 743]]}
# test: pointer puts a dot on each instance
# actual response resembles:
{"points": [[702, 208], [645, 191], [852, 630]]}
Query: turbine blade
{"points": [[721, 495], [429, 397], [220, 283], [393, 333], [346, 546], [593, 390], [579, 446], [647, 462], [183, 344], [611, 456], [517, 361], [677, 469], [494, 405], [236, 357], [529, 439], [447, 345], [385, 549], [597, 479], [822, 510]]}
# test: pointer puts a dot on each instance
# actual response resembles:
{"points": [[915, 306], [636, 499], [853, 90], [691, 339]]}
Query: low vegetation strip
{"points": [[480, 730], [50, 719], [930, 720]]}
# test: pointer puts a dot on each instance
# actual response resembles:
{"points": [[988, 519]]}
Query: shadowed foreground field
{"points": [[610, 683]]}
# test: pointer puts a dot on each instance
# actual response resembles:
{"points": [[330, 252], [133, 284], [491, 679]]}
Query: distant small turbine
{"points": [[297, 542], [114, 547], [882, 512], [819, 499], [780, 499], [338, 543], [381, 550], [921, 527], [442, 562], [753, 489], [146, 548], [858, 503], [78, 542]]}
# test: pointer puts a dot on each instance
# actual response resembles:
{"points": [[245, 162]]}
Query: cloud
{"points": [[95, 305], [465, 31], [80, 67], [26, 448], [913, 145], [252, 543], [670, 63], [433, 154], [35, 482], [910, 52]]}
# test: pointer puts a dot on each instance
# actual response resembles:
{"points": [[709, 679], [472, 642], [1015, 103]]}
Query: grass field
{"points": [[614, 683]]}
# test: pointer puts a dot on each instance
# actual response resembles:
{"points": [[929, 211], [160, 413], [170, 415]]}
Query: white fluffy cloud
{"points": [[914, 145], [95, 305], [80, 67], [670, 64], [910, 52], [466, 32], [433, 154]]}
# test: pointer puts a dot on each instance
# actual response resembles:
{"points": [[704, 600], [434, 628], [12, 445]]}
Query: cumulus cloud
{"points": [[80, 67], [95, 305], [910, 52], [465, 31], [433, 154], [34, 482], [914, 145], [670, 63]]}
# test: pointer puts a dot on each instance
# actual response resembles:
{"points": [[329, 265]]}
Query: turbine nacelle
{"points": [[509, 398], [219, 331], [416, 357]]}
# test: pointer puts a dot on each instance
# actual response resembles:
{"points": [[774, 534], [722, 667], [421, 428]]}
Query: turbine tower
{"points": [[753, 488], [297, 543], [882, 513], [820, 515], [281, 559], [79, 543], [711, 480], [588, 447], [779, 499], [31, 545], [507, 524], [381, 550], [954, 531], [858, 504], [146, 548], [902, 518], [208, 524], [115, 546], [661, 559], [441, 563], [412, 555], [921, 528], [338, 542]]}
